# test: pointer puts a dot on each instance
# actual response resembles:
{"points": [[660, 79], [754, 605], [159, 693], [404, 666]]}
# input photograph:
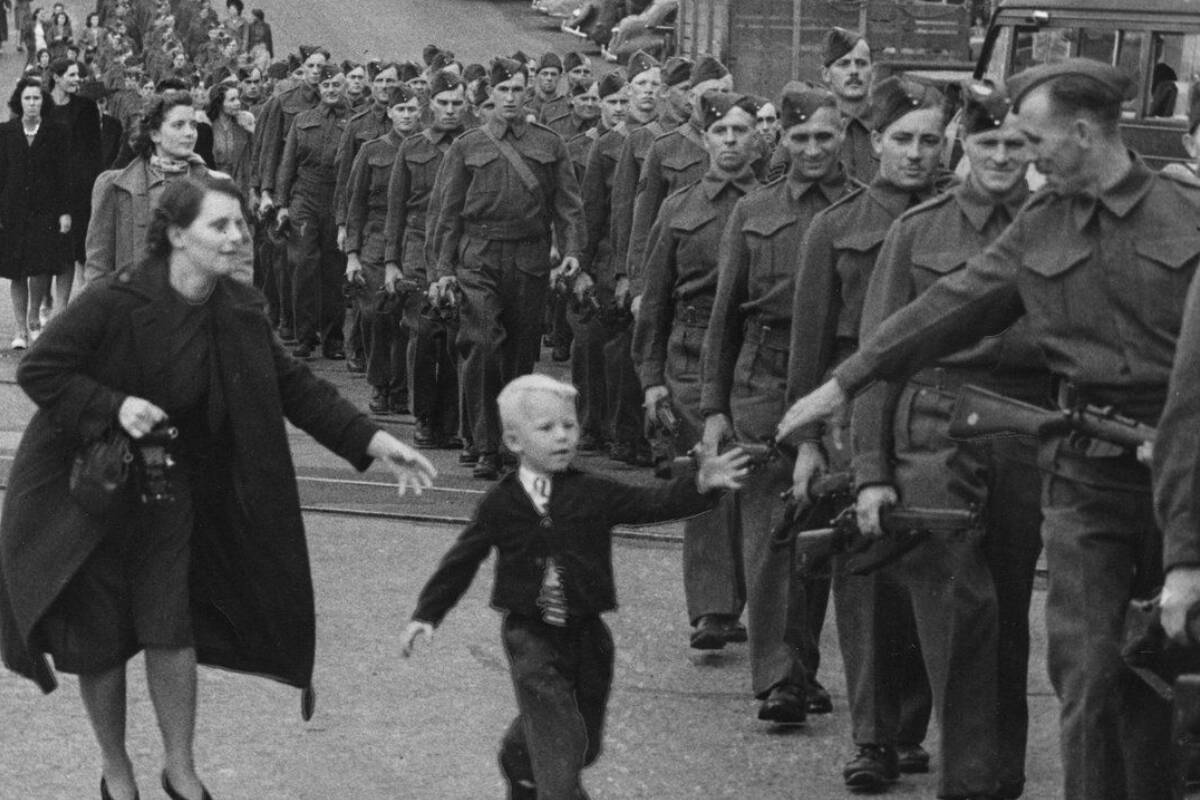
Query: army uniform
{"points": [[306, 182], [681, 284], [744, 368], [886, 686], [435, 360], [1117, 267], [570, 125], [552, 109], [970, 594], [494, 235], [270, 136], [366, 214]]}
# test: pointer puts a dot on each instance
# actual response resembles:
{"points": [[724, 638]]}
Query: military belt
{"points": [[772, 335], [695, 315], [506, 231]]}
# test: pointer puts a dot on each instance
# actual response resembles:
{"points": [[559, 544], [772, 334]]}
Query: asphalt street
{"points": [[681, 724]]}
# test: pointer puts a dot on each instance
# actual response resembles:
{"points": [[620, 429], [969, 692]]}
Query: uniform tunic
{"points": [[571, 125], [626, 180], [272, 130], [365, 125], [1103, 281]]}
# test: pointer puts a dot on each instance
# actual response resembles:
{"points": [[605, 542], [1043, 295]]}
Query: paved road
{"points": [[681, 726]]}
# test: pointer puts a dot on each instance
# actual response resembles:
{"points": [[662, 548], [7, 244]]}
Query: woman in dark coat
{"points": [[232, 132], [220, 576], [35, 215], [81, 119]]}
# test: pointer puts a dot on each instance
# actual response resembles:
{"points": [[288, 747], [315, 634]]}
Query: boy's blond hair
{"points": [[513, 395]]}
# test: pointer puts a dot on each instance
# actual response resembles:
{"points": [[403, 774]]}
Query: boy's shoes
{"points": [[425, 437], [379, 403], [819, 701], [713, 632], [784, 705], [912, 758], [871, 769], [487, 468]]}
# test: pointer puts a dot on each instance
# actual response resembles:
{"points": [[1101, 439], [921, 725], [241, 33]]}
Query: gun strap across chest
{"points": [[518, 163]]}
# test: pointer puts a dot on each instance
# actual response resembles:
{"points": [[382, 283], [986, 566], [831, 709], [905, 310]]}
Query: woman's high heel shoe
{"points": [[104, 795], [174, 795]]}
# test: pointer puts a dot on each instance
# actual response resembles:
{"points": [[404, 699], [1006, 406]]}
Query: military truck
{"points": [[766, 43], [1157, 41]]}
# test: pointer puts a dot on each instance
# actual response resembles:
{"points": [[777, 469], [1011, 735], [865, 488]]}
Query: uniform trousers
{"points": [[587, 370], [561, 677], [1102, 549], [783, 645], [318, 267], [625, 413], [713, 581], [433, 355], [504, 286]]}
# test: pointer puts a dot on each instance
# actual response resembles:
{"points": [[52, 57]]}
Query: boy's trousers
{"points": [[561, 676]]}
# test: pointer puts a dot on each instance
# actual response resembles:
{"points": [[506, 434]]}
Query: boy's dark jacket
{"points": [[577, 531]]}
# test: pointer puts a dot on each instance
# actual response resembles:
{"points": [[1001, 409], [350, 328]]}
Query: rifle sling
{"points": [[518, 163]]}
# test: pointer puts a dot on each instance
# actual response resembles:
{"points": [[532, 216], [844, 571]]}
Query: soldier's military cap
{"points": [[572, 60], [278, 70], [708, 69], [482, 92], [294, 62], [349, 66], [521, 57], [428, 52], [473, 72], [443, 81], [329, 71], [714, 105], [441, 61], [838, 42], [504, 69], [639, 62], [374, 67], [800, 102], [985, 106], [1193, 108], [677, 70], [894, 97], [408, 71], [1113, 81], [401, 93], [550, 61], [307, 50], [580, 88], [611, 83]]}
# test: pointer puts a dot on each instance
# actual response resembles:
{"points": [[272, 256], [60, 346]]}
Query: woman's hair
{"points": [[152, 119], [63, 16], [216, 99], [238, 4], [180, 205], [14, 102], [90, 17], [38, 56], [259, 15]]}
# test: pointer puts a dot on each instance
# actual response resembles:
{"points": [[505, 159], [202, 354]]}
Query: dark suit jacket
{"points": [[576, 531]]}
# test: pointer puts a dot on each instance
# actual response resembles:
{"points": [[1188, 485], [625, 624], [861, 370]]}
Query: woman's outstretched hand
{"points": [[412, 470]]}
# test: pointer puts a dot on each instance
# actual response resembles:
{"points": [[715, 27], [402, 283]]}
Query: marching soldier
{"points": [[744, 363], [969, 594], [435, 362], [584, 113], [546, 97], [503, 188], [1100, 263], [306, 181], [681, 284], [876, 629], [848, 72]]}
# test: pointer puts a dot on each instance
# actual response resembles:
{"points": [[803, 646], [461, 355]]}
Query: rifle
{"points": [[981, 414], [588, 306], [904, 529], [393, 303], [662, 428], [829, 495]]}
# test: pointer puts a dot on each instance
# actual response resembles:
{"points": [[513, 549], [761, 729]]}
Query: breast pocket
{"points": [[678, 166], [381, 173], [774, 249], [1058, 289], [486, 178], [930, 267], [1166, 266]]}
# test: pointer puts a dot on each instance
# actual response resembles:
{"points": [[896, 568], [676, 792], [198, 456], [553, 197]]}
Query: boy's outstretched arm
{"points": [[415, 629]]}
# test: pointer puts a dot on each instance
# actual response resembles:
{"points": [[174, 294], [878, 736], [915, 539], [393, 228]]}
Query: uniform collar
{"points": [[831, 186], [336, 110], [1119, 199], [692, 132], [714, 183], [394, 137], [979, 207], [499, 127], [895, 199], [444, 136]]}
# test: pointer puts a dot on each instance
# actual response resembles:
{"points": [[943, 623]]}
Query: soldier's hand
{"points": [[717, 430], [1145, 453], [583, 283], [354, 270], [341, 238], [870, 500], [443, 288], [621, 291], [414, 631], [635, 306], [391, 274], [810, 462], [265, 204], [569, 267], [653, 396], [64, 224], [1180, 594], [725, 471], [816, 406]]}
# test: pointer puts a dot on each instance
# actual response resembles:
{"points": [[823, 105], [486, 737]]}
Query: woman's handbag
{"points": [[101, 471]]}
